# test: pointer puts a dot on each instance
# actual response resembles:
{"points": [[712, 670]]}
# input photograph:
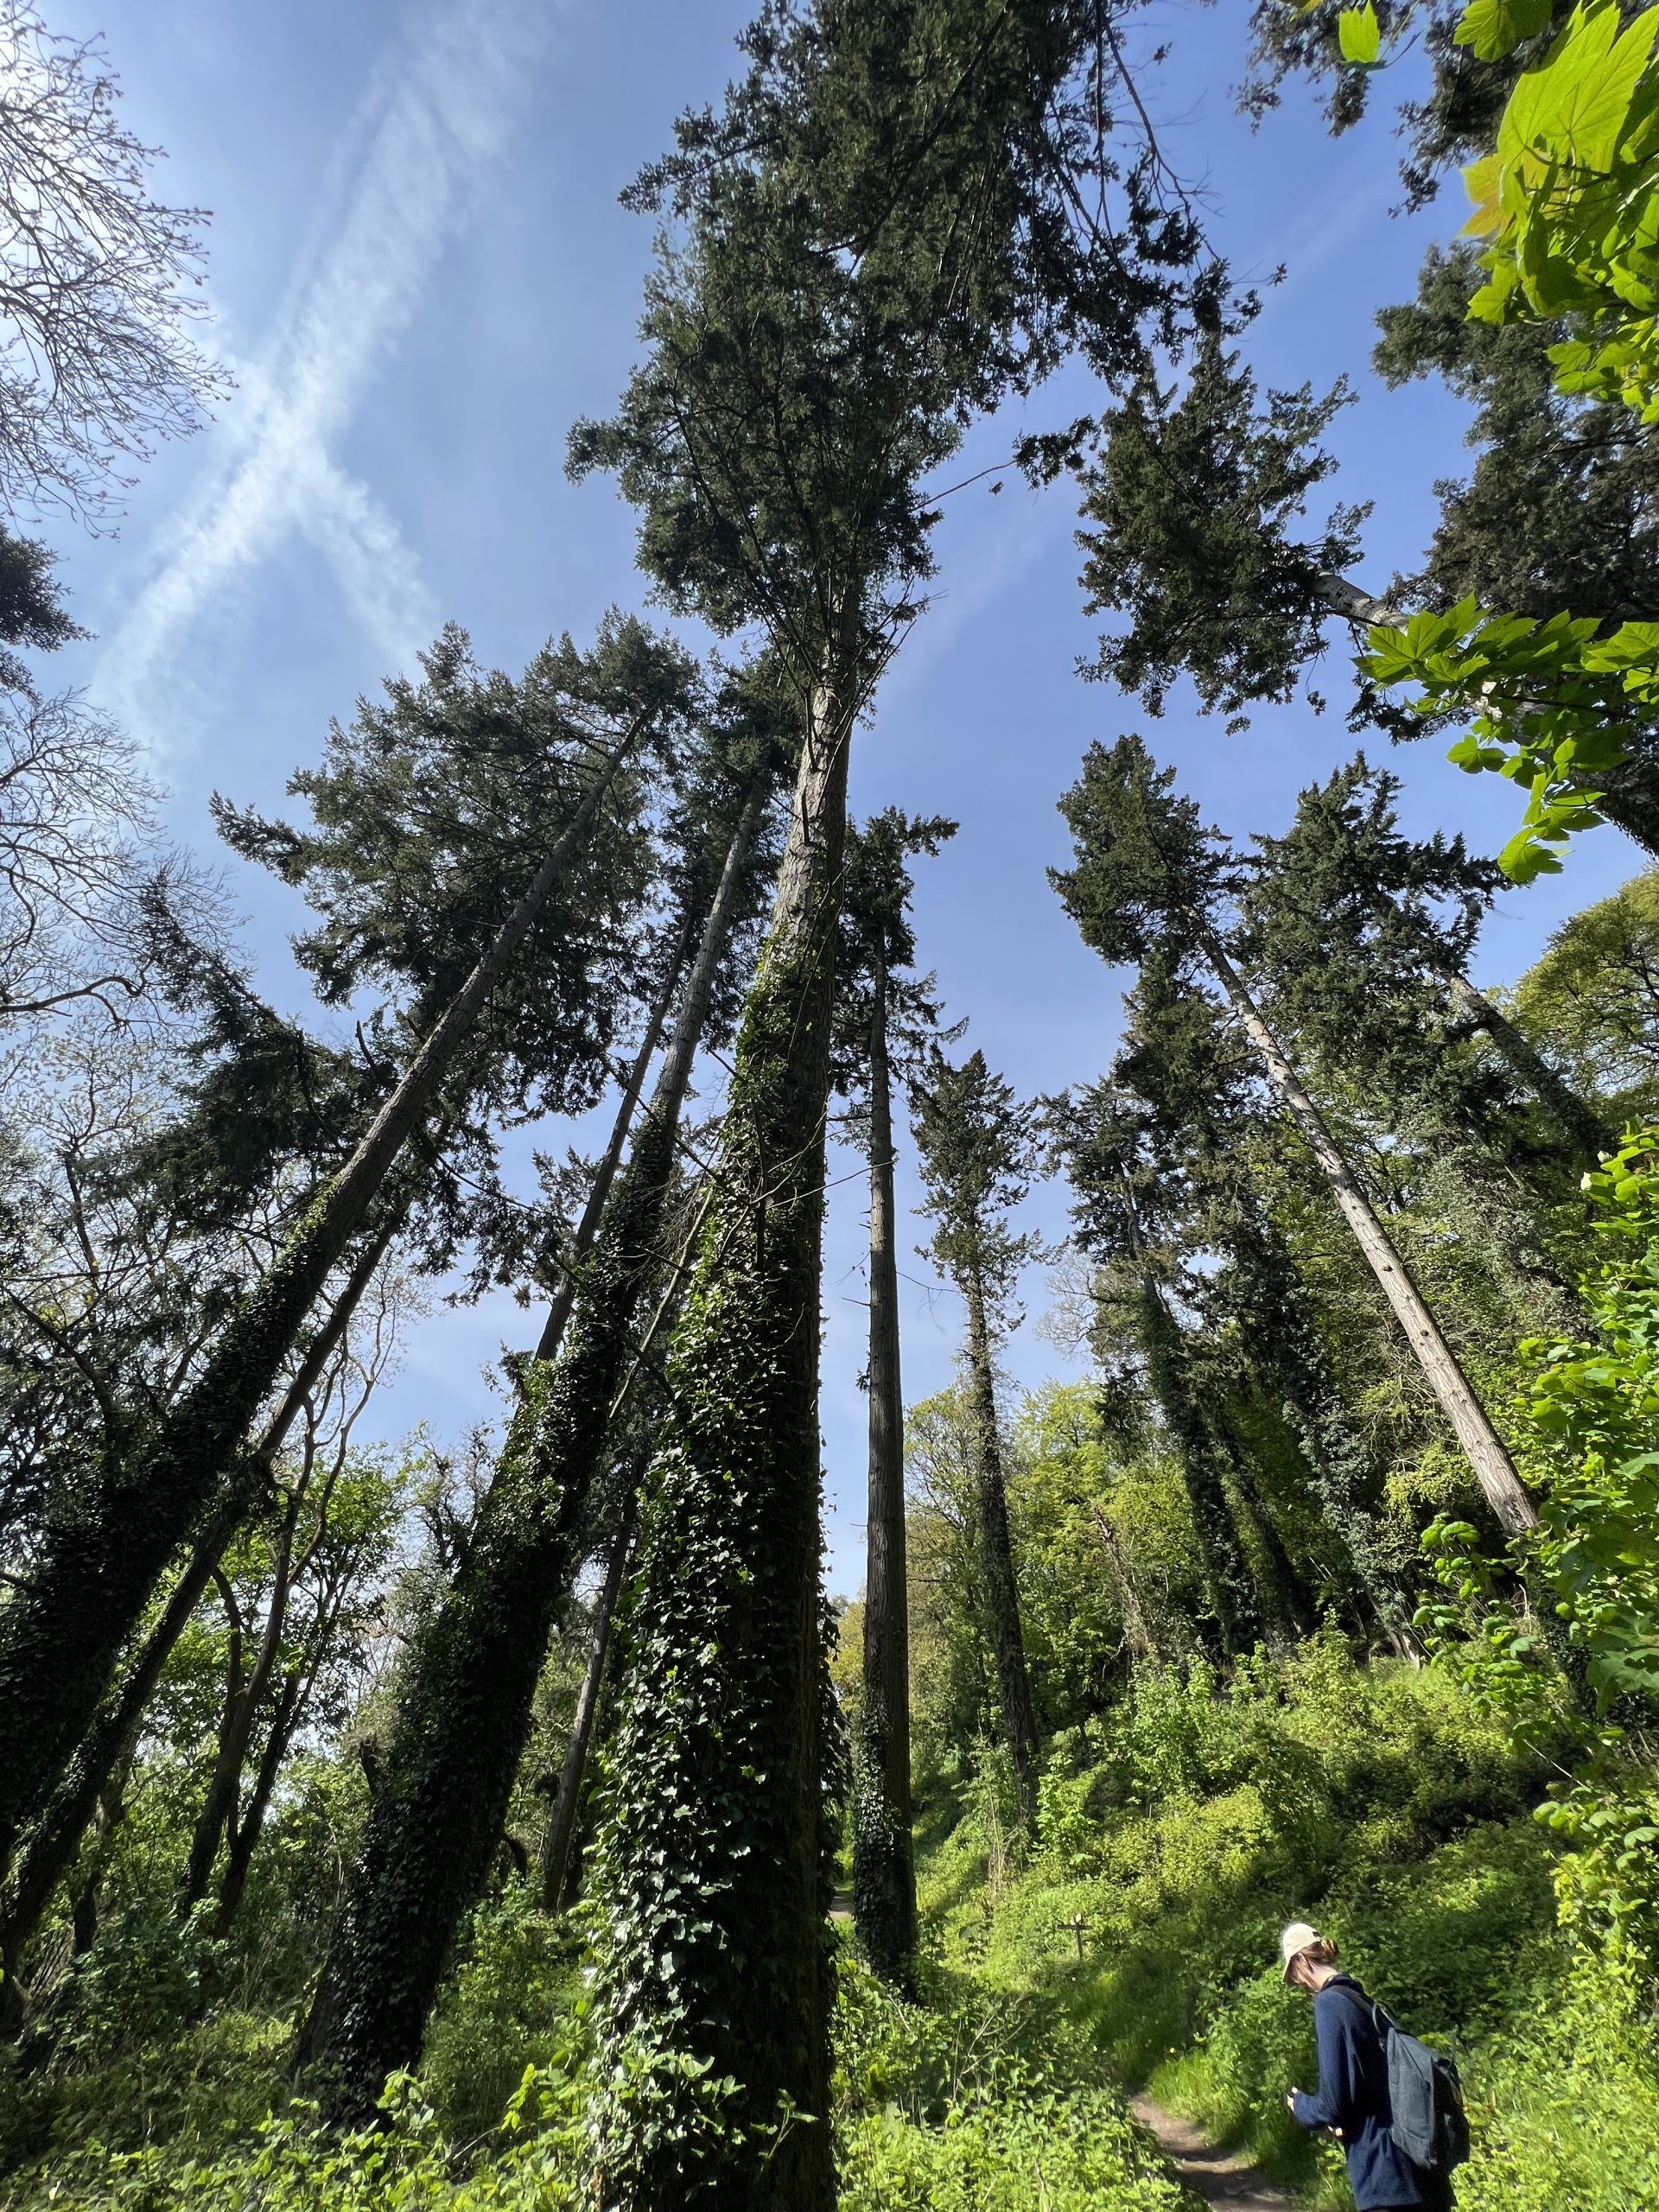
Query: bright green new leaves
{"points": [[1570, 199], [1551, 705], [1359, 35], [1591, 1416], [1491, 28]]}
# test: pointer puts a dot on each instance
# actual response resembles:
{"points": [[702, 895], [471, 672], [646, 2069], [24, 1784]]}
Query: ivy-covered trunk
{"points": [[996, 1553], [711, 1872], [1289, 1612], [108, 1744], [467, 1684], [107, 1544], [1226, 1570], [884, 1874]]}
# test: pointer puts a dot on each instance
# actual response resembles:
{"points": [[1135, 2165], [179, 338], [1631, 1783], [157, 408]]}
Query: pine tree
{"points": [[1147, 876], [467, 1687], [104, 1551], [977, 1148], [1366, 935], [820, 325], [883, 1013]]}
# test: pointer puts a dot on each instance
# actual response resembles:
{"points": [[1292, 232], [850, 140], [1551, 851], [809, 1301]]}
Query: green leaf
{"points": [[1359, 34], [1492, 29]]}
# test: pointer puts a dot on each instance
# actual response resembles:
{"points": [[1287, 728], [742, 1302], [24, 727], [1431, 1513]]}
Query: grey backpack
{"points": [[1425, 2094]]}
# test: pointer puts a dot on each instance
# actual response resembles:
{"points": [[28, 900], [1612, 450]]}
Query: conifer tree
{"points": [[1182, 1131], [820, 324], [1363, 930], [977, 1148], [104, 1551], [466, 1686], [1195, 503], [1148, 877], [1109, 1137], [883, 1014]]}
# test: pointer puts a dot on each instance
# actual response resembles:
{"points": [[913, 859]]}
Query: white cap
{"points": [[1293, 1941]]}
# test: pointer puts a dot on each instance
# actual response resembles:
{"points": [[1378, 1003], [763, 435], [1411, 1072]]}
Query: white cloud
{"points": [[434, 114]]}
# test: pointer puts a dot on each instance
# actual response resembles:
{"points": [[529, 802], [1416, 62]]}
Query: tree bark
{"points": [[884, 1874], [1137, 1629], [464, 1709], [1227, 1574], [244, 1836], [1484, 1448], [1575, 1117], [713, 1872], [52, 1848], [567, 1796], [565, 1295], [103, 1555], [1001, 1589], [241, 1710]]}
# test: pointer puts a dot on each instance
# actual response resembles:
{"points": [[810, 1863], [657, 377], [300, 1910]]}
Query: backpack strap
{"points": [[1369, 2005]]}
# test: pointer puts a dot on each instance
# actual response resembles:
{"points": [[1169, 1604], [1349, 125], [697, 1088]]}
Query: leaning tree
{"points": [[1148, 878], [574, 725], [820, 323]]}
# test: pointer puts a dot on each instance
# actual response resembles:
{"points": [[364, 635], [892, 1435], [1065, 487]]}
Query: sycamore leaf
{"points": [[1359, 34], [1494, 27]]}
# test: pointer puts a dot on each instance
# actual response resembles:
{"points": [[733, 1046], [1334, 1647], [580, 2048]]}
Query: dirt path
{"points": [[1218, 2176]]}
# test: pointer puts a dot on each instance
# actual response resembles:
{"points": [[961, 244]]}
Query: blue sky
{"points": [[421, 275]]}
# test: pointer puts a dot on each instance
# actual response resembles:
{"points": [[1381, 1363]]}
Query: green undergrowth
{"points": [[1132, 1942], [1375, 1801], [979, 2099]]}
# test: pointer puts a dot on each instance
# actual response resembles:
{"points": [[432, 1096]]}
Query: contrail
{"points": [[436, 111]]}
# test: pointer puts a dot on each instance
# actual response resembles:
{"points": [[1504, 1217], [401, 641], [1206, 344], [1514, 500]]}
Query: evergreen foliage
{"points": [[976, 1145]]}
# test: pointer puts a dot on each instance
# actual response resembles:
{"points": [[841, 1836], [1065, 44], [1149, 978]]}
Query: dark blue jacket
{"points": [[1353, 2095]]}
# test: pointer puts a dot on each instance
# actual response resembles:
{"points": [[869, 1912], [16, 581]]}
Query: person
{"points": [[1352, 2098]]}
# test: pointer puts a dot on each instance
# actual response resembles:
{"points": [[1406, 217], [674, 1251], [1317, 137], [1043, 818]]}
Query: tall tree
{"points": [[882, 1014], [977, 1147], [1148, 876], [1196, 501], [1170, 1160], [1363, 930], [821, 322], [467, 1684], [103, 1550], [1108, 1138]]}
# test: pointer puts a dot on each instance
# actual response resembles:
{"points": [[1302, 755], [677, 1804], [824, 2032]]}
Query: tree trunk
{"points": [[469, 1683], [565, 1295], [63, 1636], [1493, 1469], [713, 1874], [1287, 1613], [1575, 1117], [562, 1815], [1002, 1590], [246, 1832], [241, 1709], [1226, 1570], [52, 1848], [1137, 1629], [884, 1874]]}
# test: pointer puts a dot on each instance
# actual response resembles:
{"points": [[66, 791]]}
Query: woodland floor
{"points": [[1215, 2177]]}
